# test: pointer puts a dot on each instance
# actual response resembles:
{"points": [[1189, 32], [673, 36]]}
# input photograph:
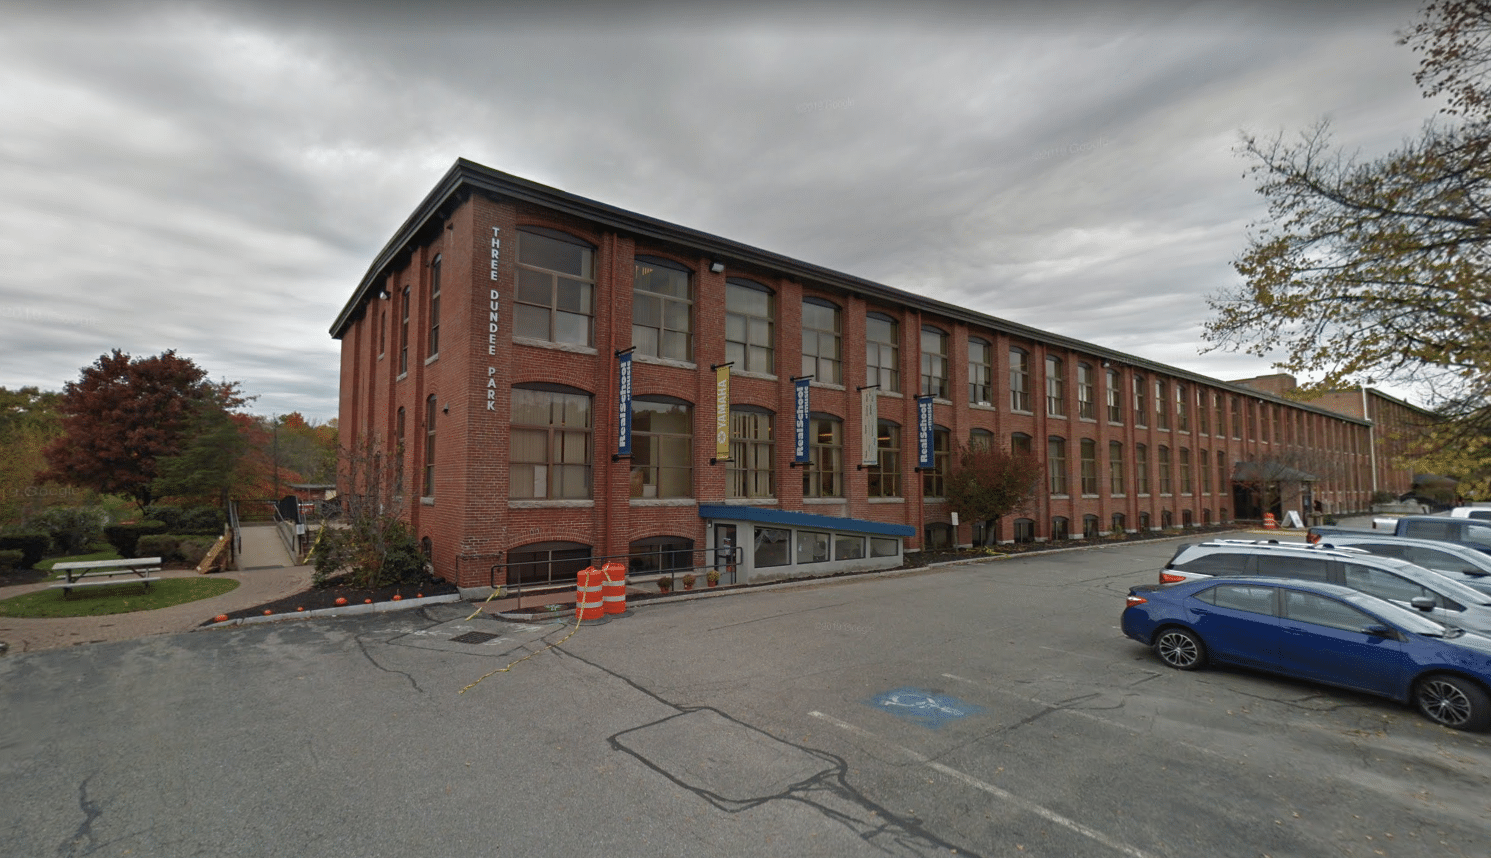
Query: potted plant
{"points": [[713, 577], [688, 581], [665, 584]]}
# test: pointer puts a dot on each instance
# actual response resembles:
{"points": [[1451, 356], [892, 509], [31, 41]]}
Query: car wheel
{"points": [[1453, 702], [1180, 649]]}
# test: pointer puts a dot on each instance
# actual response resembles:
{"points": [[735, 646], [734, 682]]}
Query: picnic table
{"points": [[99, 573]]}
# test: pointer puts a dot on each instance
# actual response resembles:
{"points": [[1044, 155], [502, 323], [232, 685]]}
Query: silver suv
{"points": [[1397, 581], [1457, 562]]}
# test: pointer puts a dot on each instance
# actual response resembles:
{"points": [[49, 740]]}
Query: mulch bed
{"points": [[326, 597]]}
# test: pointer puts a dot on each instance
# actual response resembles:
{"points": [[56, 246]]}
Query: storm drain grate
{"points": [[475, 637]]}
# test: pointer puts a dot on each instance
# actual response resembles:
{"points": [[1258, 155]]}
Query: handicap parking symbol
{"points": [[923, 707]]}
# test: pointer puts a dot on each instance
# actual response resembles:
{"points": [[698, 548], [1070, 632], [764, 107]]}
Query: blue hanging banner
{"points": [[624, 411], [800, 445], [924, 432]]}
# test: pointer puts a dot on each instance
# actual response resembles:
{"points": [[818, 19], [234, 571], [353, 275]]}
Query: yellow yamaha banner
{"points": [[722, 412]]}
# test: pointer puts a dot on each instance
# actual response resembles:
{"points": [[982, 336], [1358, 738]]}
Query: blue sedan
{"points": [[1320, 632]]}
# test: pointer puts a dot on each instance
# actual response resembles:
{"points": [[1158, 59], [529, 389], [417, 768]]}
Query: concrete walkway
{"points": [[255, 587]]}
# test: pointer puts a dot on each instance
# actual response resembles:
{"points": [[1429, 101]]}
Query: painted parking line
{"points": [[1004, 795], [1082, 713]]}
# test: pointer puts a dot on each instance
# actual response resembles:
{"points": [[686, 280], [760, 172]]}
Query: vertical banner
{"points": [[722, 412], [800, 421], [869, 426], [924, 432], [624, 404]]}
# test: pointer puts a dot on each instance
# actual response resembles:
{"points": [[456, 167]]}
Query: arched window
{"points": [[1059, 529], [885, 474], [1167, 519], [980, 371], [434, 345], [750, 326], [398, 456], [1115, 396], [1144, 521], [980, 439], [1056, 464], [1090, 526], [823, 476], [662, 308], [1024, 531], [1021, 443], [549, 455], [751, 472], [1089, 465], [1019, 380], [404, 333], [1164, 463], [1141, 403], [1141, 469], [822, 324], [1055, 387], [882, 352], [555, 299], [662, 447], [934, 482], [934, 362], [937, 535], [546, 562], [1087, 407], [1117, 523], [1116, 485]]}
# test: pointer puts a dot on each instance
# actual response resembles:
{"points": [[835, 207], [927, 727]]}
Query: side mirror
{"points": [[1423, 603], [1378, 631]]}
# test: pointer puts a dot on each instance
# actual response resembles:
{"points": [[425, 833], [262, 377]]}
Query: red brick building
{"points": [[483, 353]]}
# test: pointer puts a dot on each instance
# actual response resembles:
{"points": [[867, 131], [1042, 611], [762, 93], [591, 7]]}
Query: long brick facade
{"points": [[1128, 442]]}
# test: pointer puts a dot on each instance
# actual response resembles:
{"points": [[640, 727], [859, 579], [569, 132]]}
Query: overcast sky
{"points": [[215, 178]]}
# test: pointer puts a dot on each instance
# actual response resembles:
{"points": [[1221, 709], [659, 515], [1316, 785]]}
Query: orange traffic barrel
{"points": [[614, 588], [588, 593], [1268, 521]]}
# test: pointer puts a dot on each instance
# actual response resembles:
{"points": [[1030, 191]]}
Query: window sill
{"points": [[982, 406], [558, 347], [826, 385], [764, 376], [662, 361], [664, 502], [1022, 412], [401, 376], [538, 503], [893, 394], [432, 358], [749, 501], [426, 501], [825, 501], [887, 500]]}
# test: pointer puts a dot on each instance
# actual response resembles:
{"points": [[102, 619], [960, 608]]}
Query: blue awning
{"points": [[803, 519]]}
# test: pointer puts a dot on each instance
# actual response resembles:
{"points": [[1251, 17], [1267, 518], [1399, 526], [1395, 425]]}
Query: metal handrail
{"points": [[725, 560]]}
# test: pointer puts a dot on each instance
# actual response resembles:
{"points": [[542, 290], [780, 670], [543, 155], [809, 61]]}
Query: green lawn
{"points": [[123, 599]]}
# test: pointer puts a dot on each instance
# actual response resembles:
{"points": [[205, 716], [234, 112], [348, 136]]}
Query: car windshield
{"points": [[1404, 618]]}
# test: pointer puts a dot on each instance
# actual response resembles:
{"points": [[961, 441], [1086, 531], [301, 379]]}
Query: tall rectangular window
{"points": [[885, 475], [1141, 403], [1115, 397], [662, 448], [934, 362], [1115, 469], [821, 355], [404, 333], [1185, 470], [1141, 469], [1182, 409], [434, 307], [429, 481], [1019, 380], [752, 472], [398, 454], [550, 444], [1236, 418], [1203, 418], [882, 353], [824, 475], [1089, 452], [1204, 461], [980, 371], [1224, 481], [750, 327], [1087, 407], [662, 309], [1161, 405], [1055, 387], [1164, 464], [555, 299], [934, 482], [1056, 464], [1221, 430]]}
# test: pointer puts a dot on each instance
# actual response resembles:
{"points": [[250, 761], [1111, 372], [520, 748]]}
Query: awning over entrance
{"points": [[784, 518], [1270, 472]]}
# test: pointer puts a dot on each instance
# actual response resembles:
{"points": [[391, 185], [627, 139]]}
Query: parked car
{"points": [[1319, 632], [1450, 559], [1444, 528], [1479, 511], [1397, 581]]}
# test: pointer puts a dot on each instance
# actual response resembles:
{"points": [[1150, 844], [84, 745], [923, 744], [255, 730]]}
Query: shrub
{"points": [[166, 514], [71, 528], [125, 536], [201, 520], [10, 558], [191, 549], [32, 545], [381, 553], [162, 545]]}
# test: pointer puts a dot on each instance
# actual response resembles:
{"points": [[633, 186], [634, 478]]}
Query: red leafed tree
{"points": [[123, 414]]}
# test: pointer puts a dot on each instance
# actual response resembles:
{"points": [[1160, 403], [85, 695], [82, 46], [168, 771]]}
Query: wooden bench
{"points": [[99, 573]]}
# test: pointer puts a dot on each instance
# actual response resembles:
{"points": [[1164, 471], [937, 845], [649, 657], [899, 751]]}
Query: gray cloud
{"points": [[216, 177]]}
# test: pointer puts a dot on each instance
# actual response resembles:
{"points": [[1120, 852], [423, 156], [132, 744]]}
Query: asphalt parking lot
{"points": [[989, 709]]}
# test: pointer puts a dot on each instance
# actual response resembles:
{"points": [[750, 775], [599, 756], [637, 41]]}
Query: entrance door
{"points": [[726, 552]]}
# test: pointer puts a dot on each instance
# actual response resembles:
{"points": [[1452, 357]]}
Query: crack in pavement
{"points": [[84, 832]]}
